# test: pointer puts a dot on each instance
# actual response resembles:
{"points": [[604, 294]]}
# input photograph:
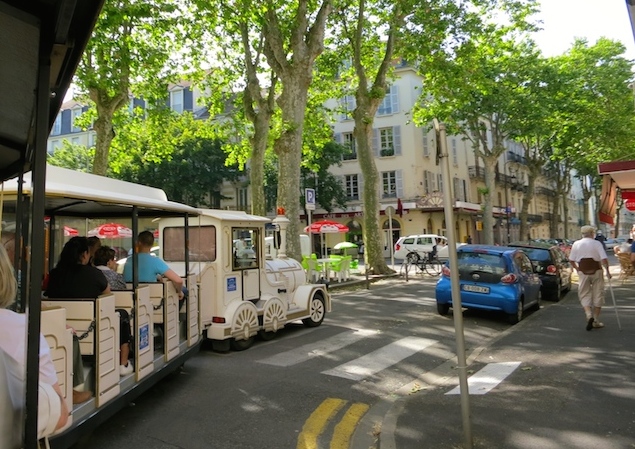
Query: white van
{"points": [[271, 252]]}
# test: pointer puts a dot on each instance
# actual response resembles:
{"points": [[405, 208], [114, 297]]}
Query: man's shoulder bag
{"points": [[589, 265]]}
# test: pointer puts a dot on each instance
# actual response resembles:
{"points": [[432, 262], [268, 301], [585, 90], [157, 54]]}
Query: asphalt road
{"points": [[307, 388]]}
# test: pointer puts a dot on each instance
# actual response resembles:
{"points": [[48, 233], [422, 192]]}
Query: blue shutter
{"points": [[399, 183], [66, 121], [394, 99], [188, 99], [396, 139]]}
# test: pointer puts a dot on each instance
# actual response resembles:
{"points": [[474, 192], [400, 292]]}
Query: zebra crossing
{"points": [[336, 419], [390, 354]]}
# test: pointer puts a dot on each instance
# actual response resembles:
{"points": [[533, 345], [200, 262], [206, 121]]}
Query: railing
{"points": [[534, 218], [545, 191], [476, 172]]}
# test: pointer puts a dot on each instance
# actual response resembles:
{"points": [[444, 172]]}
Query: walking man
{"points": [[588, 257]]}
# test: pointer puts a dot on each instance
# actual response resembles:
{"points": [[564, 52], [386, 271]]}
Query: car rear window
{"points": [[540, 255], [488, 263]]}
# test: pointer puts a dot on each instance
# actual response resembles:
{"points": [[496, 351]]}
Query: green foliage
{"points": [[176, 153], [74, 157]]}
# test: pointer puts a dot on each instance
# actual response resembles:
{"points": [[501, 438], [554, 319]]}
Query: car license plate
{"points": [[476, 289]]}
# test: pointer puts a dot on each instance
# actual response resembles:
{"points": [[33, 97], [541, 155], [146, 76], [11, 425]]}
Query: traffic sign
{"points": [[309, 199]]}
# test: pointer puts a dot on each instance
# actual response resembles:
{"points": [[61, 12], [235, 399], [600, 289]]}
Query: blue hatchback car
{"points": [[492, 278]]}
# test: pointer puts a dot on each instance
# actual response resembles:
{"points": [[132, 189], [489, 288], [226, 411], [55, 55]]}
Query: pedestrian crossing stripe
{"points": [[487, 378], [380, 359], [324, 347], [318, 421]]}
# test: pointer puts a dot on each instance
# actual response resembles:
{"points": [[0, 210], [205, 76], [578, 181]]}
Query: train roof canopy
{"points": [[34, 34], [71, 192]]}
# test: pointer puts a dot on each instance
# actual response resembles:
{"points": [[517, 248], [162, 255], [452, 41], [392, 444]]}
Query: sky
{"points": [[564, 20]]}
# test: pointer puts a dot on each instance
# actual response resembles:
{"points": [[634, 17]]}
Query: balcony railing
{"points": [[476, 172], [534, 218], [545, 191]]}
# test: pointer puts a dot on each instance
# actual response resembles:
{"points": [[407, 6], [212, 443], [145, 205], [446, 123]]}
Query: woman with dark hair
{"points": [[104, 260], [73, 277]]}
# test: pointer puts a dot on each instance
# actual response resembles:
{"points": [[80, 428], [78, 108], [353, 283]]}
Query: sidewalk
{"points": [[573, 389]]}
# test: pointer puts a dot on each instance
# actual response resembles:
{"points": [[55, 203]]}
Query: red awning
{"points": [[616, 175]]}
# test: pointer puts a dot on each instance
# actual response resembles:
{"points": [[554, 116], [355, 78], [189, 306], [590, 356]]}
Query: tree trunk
{"points": [[288, 147], [489, 166], [527, 199], [373, 253], [256, 167], [105, 132]]}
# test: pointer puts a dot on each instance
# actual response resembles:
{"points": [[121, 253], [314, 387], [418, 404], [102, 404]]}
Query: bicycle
{"points": [[428, 263]]}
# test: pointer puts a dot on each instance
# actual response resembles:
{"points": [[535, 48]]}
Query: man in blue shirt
{"points": [[151, 268]]}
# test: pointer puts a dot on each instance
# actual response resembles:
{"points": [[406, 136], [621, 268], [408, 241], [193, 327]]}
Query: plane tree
{"points": [[174, 152], [136, 48], [471, 83], [597, 121]]}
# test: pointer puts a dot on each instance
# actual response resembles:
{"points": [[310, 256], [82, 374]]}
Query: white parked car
{"points": [[415, 247]]}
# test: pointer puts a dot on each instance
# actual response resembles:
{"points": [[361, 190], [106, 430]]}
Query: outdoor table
{"points": [[325, 265]]}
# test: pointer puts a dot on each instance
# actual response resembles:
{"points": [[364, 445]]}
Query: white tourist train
{"points": [[233, 297]]}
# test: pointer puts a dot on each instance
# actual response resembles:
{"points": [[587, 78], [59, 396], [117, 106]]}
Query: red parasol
{"points": [[326, 227], [70, 232], [110, 231]]}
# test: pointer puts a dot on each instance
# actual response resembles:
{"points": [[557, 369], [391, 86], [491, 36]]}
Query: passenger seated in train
{"points": [[104, 260], [152, 268], [52, 410], [93, 245], [73, 277]]}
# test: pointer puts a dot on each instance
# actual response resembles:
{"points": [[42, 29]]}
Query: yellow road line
{"points": [[345, 428], [316, 423]]}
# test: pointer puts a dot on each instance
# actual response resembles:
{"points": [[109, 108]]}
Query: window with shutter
{"points": [[352, 187], [176, 101], [390, 103], [386, 142], [348, 140], [389, 184]]}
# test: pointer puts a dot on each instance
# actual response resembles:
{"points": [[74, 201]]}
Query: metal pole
{"points": [[619, 325], [454, 280], [390, 242]]}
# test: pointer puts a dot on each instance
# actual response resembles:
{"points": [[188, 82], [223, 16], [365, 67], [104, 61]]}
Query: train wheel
{"points": [[317, 311], [245, 323], [241, 345], [266, 336]]}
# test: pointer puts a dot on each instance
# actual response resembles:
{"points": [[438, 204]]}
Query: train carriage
{"points": [[235, 292]]}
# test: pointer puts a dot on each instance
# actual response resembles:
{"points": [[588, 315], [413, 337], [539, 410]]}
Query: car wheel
{"points": [[412, 258], [514, 318], [443, 309]]}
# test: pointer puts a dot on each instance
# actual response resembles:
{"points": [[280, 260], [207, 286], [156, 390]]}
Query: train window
{"points": [[202, 244], [244, 248]]}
